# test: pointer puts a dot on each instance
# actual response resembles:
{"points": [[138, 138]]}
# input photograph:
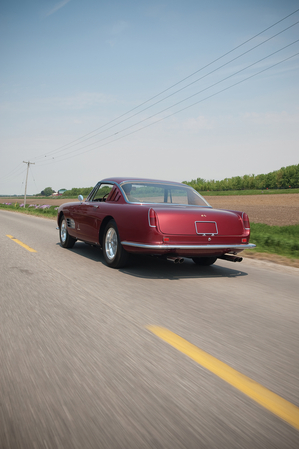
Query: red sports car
{"points": [[159, 218]]}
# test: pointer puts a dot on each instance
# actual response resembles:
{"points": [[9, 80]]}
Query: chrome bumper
{"points": [[182, 247]]}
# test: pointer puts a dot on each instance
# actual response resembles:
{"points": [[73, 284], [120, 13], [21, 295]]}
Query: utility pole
{"points": [[28, 163]]}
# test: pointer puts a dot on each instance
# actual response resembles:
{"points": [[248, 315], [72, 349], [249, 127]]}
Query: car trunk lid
{"points": [[199, 221]]}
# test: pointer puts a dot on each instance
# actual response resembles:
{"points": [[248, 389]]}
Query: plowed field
{"points": [[278, 210], [274, 210]]}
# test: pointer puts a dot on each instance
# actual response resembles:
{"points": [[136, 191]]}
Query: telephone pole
{"points": [[28, 163]]}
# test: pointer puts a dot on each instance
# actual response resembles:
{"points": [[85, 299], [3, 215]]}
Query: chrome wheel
{"points": [[111, 243], [114, 254], [63, 231], [66, 240]]}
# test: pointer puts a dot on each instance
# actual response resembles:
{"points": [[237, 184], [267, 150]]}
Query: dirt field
{"points": [[278, 210], [274, 210]]}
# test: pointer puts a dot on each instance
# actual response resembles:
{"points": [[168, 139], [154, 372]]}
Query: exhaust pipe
{"points": [[175, 259], [231, 258]]}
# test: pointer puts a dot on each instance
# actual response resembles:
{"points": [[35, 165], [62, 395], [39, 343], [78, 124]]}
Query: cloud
{"points": [[79, 101], [57, 7], [116, 29], [197, 123], [119, 27], [82, 100], [272, 118]]}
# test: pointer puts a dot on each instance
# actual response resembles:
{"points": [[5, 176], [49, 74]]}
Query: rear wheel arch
{"points": [[103, 227]]}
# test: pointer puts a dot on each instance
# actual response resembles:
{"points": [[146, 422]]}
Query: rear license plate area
{"points": [[206, 227]]}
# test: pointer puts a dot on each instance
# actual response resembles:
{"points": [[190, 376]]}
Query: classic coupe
{"points": [[160, 218]]}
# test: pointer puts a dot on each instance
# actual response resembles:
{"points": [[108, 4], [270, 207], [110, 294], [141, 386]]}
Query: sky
{"points": [[173, 90]]}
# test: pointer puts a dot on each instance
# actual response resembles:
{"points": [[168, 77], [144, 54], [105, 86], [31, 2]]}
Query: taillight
{"points": [[246, 221], [152, 218]]}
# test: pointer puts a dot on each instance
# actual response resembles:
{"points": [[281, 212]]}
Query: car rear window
{"points": [[136, 192]]}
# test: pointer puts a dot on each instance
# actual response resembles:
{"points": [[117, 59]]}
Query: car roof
{"points": [[120, 180]]}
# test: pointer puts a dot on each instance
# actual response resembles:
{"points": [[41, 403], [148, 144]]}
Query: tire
{"points": [[204, 261], [114, 254], [66, 240]]}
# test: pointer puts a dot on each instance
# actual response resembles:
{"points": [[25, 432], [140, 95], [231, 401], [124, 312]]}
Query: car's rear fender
{"points": [[103, 226]]}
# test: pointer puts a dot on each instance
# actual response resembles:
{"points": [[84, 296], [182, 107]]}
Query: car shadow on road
{"points": [[149, 267], [154, 268]]}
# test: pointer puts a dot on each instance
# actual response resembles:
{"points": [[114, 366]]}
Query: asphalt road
{"points": [[79, 367]]}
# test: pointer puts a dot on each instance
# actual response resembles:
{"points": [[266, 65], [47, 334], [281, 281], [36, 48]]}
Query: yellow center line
{"points": [[22, 244], [269, 400]]}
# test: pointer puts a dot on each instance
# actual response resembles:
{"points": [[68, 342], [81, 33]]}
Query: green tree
{"points": [[280, 179], [75, 191], [48, 191]]}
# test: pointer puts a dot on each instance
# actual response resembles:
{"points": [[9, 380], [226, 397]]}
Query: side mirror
{"points": [[80, 198]]}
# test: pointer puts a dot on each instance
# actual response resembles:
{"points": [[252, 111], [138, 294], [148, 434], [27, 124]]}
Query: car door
{"points": [[91, 213]]}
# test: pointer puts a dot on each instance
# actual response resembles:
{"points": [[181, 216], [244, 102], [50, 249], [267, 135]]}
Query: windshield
{"points": [[140, 192]]}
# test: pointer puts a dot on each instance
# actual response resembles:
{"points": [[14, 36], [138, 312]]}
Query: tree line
{"points": [[75, 191], [284, 178]]}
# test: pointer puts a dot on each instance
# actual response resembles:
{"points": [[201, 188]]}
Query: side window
{"points": [[102, 192]]}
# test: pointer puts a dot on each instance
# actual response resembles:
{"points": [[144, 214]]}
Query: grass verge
{"points": [[282, 240], [44, 210]]}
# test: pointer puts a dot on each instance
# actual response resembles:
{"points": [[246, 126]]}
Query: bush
{"points": [[283, 240]]}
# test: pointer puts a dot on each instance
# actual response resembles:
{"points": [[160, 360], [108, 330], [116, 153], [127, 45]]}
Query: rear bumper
{"points": [[186, 249]]}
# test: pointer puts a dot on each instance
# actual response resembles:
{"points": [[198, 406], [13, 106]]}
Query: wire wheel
{"points": [[63, 231], [111, 244], [66, 240], [114, 254]]}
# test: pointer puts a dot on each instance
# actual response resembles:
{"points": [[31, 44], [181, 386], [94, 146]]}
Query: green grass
{"points": [[30, 210], [282, 240]]}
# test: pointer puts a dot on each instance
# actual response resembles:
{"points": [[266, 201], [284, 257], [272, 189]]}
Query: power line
{"points": [[73, 143], [182, 101], [179, 90], [183, 109], [31, 171], [19, 168]]}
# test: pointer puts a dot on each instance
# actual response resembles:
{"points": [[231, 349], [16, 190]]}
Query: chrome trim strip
{"points": [[70, 223], [170, 204], [229, 247]]}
